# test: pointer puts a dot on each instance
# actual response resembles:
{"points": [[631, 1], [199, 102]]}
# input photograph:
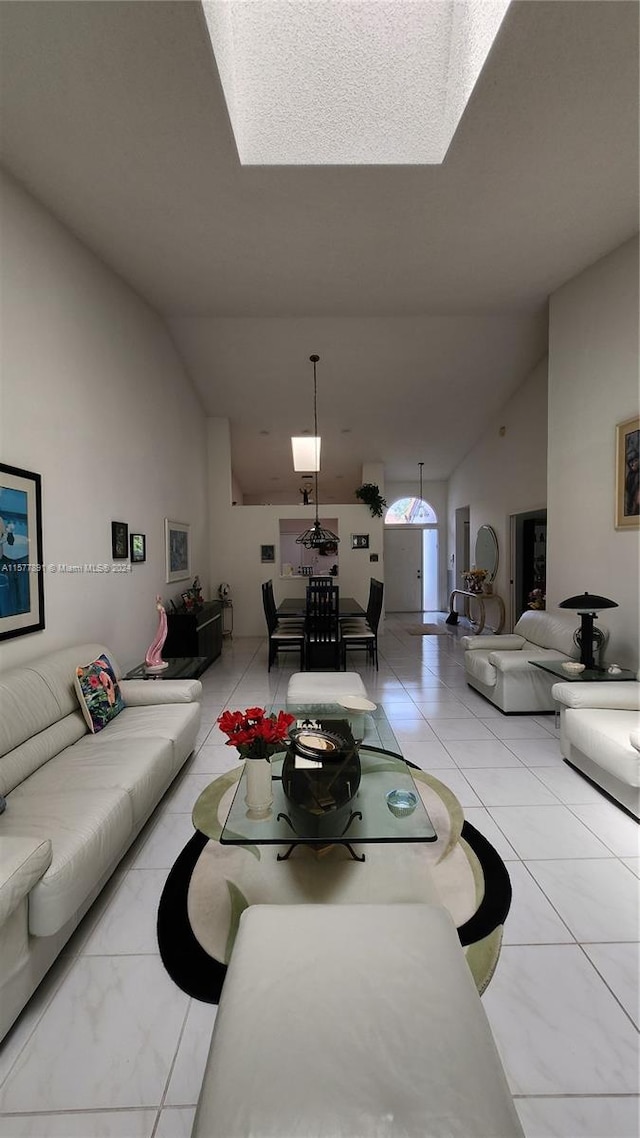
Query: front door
{"points": [[403, 569]]}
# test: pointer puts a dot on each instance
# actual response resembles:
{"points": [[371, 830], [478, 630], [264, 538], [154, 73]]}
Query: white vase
{"points": [[258, 794]]}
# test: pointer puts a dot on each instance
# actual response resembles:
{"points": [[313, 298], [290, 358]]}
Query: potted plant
{"points": [[370, 494]]}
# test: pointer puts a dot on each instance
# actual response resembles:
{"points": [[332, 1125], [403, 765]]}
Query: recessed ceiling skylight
{"points": [[349, 82]]}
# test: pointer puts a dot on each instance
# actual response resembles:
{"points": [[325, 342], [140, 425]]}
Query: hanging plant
{"points": [[370, 494]]}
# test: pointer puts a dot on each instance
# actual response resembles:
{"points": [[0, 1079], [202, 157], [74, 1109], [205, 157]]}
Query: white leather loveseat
{"points": [[74, 800], [600, 735], [499, 666]]}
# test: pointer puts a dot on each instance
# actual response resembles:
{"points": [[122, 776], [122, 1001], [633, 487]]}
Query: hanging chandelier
{"points": [[316, 537]]}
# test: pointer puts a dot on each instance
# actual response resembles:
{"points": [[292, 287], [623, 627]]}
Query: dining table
{"points": [[297, 606]]}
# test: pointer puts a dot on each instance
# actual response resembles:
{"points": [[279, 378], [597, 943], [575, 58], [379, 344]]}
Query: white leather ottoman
{"points": [[323, 687], [352, 1021]]}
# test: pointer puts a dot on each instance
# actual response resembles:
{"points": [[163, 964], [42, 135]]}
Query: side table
{"points": [[180, 668], [481, 598]]}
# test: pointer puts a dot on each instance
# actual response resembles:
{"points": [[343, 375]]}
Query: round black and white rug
{"points": [[210, 885]]}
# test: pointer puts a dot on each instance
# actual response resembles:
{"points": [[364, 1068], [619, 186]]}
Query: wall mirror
{"points": [[486, 555]]}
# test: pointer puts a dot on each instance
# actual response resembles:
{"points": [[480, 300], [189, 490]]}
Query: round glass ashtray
{"points": [[401, 802]]}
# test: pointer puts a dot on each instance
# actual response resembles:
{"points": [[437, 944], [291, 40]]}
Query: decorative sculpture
{"points": [[153, 658]]}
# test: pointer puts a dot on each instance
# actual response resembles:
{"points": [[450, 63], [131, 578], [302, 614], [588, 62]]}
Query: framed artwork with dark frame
{"points": [[359, 540], [628, 474], [137, 548], [119, 541], [267, 552], [21, 567], [177, 550]]}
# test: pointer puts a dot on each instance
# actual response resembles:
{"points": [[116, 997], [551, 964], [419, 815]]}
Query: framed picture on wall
{"points": [[138, 548], [267, 552], [177, 550], [119, 540], [21, 568], [628, 474], [359, 540]]}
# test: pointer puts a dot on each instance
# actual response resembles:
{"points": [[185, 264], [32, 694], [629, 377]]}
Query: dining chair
{"points": [[322, 627], [362, 635], [282, 638], [292, 623]]}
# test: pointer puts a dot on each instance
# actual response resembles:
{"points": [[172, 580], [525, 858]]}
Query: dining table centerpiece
{"points": [[256, 736]]}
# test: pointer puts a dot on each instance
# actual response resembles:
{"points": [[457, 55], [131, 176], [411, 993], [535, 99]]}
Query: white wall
{"points": [[593, 384], [505, 473], [95, 399], [237, 532]]}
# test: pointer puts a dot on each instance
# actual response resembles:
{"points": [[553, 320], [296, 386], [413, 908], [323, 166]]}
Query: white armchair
{"points": [[600, 736]]}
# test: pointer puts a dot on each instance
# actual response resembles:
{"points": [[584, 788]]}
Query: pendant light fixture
{"points": [[317, 537], [306, 448]]}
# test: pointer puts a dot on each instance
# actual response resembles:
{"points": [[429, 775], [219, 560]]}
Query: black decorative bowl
{"points": [[321, 768]]}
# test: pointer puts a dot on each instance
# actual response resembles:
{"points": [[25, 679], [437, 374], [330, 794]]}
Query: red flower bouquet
{"points": [[255, 734]]}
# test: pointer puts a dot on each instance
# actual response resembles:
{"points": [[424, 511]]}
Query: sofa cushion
{"points": [[88, 830], [143, 770], [37, 695], [604, 736], [98, 692], [550, 630], [26, 758], [23, 860], [176, 722]]}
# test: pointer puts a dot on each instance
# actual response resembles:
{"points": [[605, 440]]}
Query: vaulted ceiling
{"points": [[422, 288]]}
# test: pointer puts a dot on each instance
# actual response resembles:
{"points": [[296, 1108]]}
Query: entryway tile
{"points": [[481, 753], [557, 1026], [589, 1117], [106, 1041], [596, 898], [188, 1069], [532, 919], [84, 1124], [546, 832], [609, 823], [619, 965], [520, 727], [509, 787], [447, 729], [537, 752]]}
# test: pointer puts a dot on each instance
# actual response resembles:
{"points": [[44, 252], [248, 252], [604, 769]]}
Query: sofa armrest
{"points": [[23, 861], [620, 696], [493, 643], [144, 693]]}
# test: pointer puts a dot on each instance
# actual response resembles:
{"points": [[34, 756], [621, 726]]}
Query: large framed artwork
{"points": [[628, 474], [21, 568], [177, 550]]}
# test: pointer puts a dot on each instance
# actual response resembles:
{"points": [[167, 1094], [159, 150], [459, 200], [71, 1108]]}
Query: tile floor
{"points": [[108, 1047]]}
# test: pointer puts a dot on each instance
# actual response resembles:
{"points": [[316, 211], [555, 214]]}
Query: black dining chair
{"points": [[361, 635], [282, 638], [322, 627], [292, 623]]}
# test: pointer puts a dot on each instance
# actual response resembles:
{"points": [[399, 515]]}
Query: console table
{"points": [[195, 633], [482, 599]]}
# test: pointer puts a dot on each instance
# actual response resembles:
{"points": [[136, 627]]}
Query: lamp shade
{"points": [[588, 602], [306, 452]]}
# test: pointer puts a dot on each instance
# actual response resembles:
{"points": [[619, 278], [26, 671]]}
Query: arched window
{"points": [[410, 511]]}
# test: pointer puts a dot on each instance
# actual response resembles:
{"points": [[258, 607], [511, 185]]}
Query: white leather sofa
{"points": [[74, 801], [352, 1021], [600, 735], [499, 666]]}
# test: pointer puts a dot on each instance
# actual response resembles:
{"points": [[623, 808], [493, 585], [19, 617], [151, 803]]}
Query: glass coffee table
{"points": [[588, 676], [365, 818]]}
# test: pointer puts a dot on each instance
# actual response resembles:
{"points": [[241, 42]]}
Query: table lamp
{"points": [[588, 605]]}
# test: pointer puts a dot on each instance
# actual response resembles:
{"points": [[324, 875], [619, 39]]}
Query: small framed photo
{"points": [[119, 541], [267, 552], [137, 547], [21, 568], [628, 474], [359, 540], [177, 550]]}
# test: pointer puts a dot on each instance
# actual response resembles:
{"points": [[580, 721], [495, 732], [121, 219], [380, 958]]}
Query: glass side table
{"points": [[589, 676]]}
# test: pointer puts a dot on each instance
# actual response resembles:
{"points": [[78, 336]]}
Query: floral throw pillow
{"points": [[98, 693]]}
